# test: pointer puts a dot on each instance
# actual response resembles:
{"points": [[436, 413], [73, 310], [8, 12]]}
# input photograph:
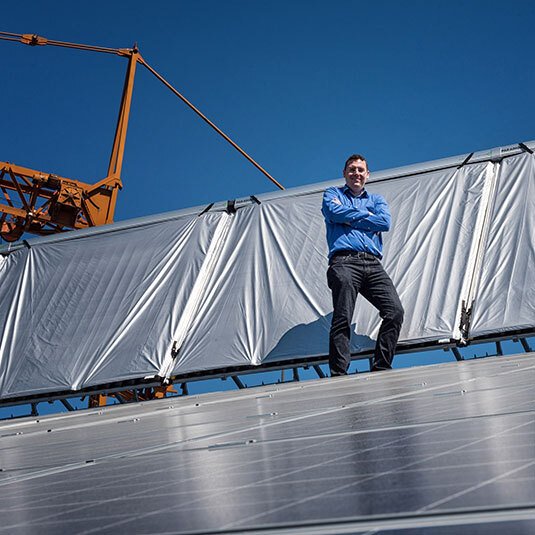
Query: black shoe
{"points": [[378, 369], [338, 374]]}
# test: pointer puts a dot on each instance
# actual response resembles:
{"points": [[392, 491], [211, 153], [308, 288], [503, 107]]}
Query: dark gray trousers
{"points": [[348, 276]]}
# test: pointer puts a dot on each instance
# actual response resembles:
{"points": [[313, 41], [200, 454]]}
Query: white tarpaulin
{"points": [[99, 308], [268, 300], [505, 298], [194, 291]]}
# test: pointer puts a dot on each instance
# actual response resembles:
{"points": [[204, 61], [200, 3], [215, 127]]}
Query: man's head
{"points": [[356, 173]]}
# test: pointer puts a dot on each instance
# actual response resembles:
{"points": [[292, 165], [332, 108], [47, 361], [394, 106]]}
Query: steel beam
{"points": [[457, 354], [319, 371], [237, 381], [67, 405]]}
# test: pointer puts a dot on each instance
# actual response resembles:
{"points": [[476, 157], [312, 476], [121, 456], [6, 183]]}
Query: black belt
{"points": [[357, 254]]}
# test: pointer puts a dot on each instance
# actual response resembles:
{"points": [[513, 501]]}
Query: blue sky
{"points": [[298, 84]]}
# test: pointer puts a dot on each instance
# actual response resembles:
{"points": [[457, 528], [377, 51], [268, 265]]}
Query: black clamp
{"points": [[525, 148], [175, 350], [231, 207], [206, 209], [466, 160], [466, 316]]}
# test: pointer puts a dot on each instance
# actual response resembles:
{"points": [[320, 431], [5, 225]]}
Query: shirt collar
{"points": [[346, 190]]}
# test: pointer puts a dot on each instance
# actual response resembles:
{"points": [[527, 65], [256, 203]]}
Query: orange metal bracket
{"points": [[158, 392], [44, 203]]}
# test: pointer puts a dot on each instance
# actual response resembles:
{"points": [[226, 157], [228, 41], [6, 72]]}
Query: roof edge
{"points": [[494, 154]]}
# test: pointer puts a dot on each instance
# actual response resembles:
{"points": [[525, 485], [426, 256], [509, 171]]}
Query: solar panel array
{"points": [[438, 449]]}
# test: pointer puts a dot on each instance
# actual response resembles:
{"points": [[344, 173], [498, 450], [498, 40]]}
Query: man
{"points": [[355, 219]]}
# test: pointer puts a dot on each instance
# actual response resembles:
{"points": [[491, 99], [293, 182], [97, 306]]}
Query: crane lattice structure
{"points": [[43, 203]]}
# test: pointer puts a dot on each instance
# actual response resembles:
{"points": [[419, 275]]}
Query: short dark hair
{"points": [[354, 157]]}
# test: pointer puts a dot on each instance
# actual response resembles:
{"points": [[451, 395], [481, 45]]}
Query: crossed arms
{"points": [[374, 218]]}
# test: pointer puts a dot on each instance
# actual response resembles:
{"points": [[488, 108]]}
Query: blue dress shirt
{"points": [[355, 222]]}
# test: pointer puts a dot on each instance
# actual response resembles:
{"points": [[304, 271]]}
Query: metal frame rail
{"points": [[165, 389]]}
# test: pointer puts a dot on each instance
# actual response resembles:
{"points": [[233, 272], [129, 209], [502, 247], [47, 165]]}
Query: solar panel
{"points": [[438, 449]]}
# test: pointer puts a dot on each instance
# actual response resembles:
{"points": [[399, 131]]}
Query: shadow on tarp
{"points": [[311, 339]]}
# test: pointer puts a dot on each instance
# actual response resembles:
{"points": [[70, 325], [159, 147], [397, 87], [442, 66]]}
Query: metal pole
{"points": [[237, 381], [67, 405], [319, 371], [457, 354], [525, 345], [210, 123]]}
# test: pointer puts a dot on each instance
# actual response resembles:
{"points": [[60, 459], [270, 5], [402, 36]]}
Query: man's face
{"points": [[356, 173]]}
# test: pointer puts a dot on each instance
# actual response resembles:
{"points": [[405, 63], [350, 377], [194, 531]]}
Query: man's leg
{"points": [[343, 277], [379, 290]]}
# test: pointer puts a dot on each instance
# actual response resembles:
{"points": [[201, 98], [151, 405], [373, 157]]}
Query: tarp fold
{"points": [[193, 291]]}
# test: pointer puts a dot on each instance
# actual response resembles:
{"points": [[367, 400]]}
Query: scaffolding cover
{"points": [[97, 309], [268, 300], [204, 290], [506, 295]]}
